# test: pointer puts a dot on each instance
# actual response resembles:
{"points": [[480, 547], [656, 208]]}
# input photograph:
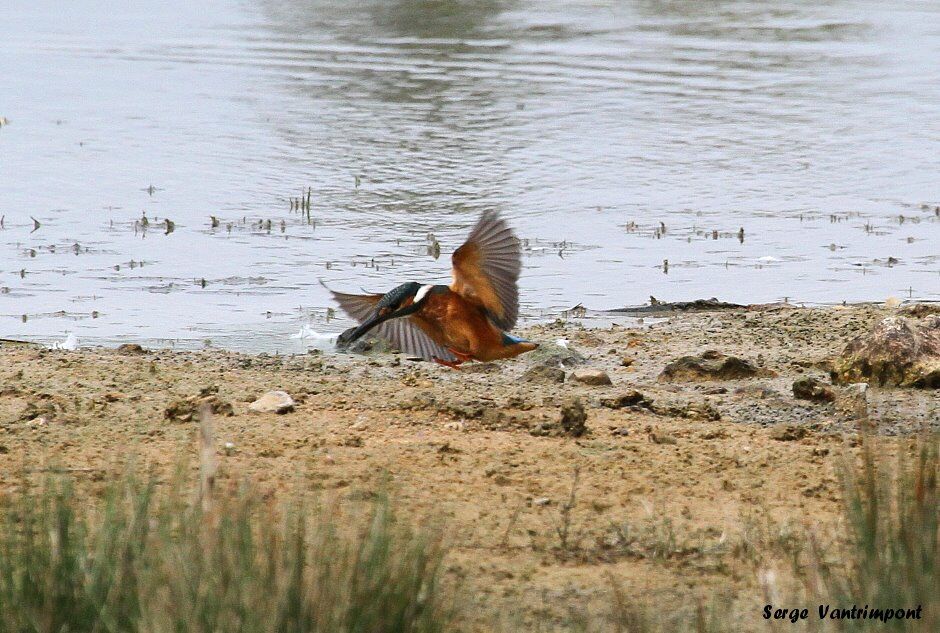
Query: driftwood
{"points": [[663, 307]]}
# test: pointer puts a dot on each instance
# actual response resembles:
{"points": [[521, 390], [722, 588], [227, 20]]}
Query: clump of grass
{"points": [[153, 560], [889, 554]]}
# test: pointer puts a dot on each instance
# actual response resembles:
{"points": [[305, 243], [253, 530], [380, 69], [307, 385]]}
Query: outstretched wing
{"points": [[405, 333], [358, 307], [486, 269]]}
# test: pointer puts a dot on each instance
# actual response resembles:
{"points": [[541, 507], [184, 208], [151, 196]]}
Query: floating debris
{"points": [[36, 224], [434, 247], [214, 222], [170, 226]]}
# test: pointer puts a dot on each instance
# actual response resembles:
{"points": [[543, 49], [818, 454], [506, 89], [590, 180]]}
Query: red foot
{"points": [[448, 363], [463, 358]]}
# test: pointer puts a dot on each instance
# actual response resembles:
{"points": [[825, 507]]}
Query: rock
{"points": [[542, 501], [712, 365], [573, 417], [553, 355], [689, 410], [812, 389], [131, 349], [788, 433], [627, 361], [632, 398], [897, 352], [544, 373], [589, 376], [273, 402], [920, 310], [186, 410]]}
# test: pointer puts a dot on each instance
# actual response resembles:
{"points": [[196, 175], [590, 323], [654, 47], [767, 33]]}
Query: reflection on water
{"points": [[752, 151]]}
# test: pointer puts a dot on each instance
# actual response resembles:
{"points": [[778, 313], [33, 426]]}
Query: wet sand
{"points": [[658, 495]]}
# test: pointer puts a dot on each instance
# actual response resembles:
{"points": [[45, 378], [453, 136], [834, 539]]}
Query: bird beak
{"points": [[356, 333]]}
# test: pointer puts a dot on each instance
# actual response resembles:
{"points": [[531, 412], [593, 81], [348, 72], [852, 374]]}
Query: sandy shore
{"points": [[651, 495]]}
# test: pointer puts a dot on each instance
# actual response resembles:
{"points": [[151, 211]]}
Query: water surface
{"points": [[616, 136]]}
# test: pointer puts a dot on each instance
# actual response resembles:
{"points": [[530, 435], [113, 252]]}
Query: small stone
{"points": [[273, 402], [361, 425], [131, 349], [788, 433], [632, 398], [229, 448], [573, 418], [715, 391], [621, 431], [455, 426], [812, 389], [627, 361], [589, 376], [544, 373], [542, 501]]}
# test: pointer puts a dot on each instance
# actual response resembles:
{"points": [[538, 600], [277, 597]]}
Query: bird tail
{"points": [[520, 344]]}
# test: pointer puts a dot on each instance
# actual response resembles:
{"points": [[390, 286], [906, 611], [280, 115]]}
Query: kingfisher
{"points": [[468, 320]]}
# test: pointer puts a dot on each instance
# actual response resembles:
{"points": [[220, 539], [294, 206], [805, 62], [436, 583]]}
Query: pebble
{"points": [[813, 389], [273, 402], [542, 501], [588, 376], [544, 373]]}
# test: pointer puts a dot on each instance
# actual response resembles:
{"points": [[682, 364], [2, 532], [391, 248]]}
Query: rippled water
{"points": [[614, 135]]}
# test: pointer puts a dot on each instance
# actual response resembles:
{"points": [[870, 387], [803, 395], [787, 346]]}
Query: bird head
{"points": [[399, 302]]}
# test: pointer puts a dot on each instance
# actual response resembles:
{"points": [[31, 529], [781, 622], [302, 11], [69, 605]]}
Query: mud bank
{"points": [[654, 484]]}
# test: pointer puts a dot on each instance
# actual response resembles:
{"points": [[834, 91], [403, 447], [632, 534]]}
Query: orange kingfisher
{"points": [[450, 325]]}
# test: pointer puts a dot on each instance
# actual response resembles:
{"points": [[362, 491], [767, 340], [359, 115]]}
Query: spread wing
{"points": [[405, 333], [486, 269]]}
